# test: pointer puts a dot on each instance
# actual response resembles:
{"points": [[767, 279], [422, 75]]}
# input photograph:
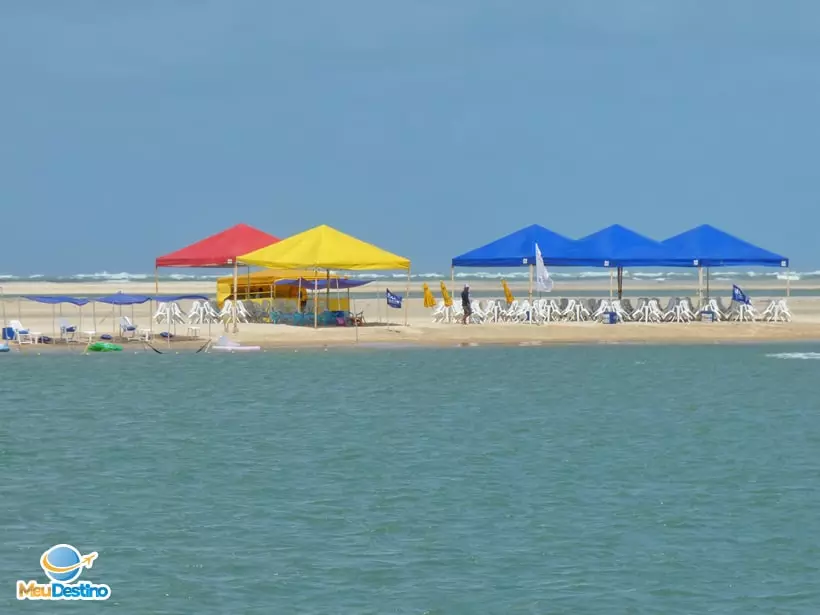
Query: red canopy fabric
{"points": [[219, 250]]}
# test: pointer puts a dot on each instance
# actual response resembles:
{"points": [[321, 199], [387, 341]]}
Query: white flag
{"points": [[543, 281]]}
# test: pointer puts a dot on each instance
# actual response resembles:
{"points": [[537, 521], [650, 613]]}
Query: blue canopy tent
{"points": [[615, 247], [707, 246], [120, 299], [67, 331], [174, 298], [517, 250]]}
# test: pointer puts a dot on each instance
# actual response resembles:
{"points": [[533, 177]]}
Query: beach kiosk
{"points": [[325, 249]]}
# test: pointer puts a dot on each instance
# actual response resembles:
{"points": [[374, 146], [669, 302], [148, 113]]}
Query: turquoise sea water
{"points": [[582, 479]]}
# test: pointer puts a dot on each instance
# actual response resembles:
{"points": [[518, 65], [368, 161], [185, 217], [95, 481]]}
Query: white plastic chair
{"points": [[68, 331], [21, 334]]}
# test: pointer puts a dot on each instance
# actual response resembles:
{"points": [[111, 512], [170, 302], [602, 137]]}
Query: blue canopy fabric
{"points": [[615, 246], [55, 299], [518, 249], [123, 299], [171, 298], [707, 246], [335, 283]]}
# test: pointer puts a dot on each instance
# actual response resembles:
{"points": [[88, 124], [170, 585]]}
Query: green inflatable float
{"points": [[104, 347]]}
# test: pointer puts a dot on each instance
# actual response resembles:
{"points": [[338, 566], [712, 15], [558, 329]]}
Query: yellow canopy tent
{"points": [[325, 248]]}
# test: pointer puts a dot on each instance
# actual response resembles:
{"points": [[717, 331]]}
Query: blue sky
{"points": [[429, 127]]}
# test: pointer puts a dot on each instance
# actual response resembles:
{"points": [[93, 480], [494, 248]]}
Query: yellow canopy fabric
{"points": [[507, 292], [323, 247], [429, 299], [448, 300]]}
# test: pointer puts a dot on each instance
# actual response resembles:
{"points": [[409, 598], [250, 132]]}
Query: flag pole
{"points": [[407, 297]]}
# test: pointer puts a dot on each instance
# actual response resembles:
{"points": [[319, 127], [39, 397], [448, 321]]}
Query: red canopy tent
{"points": [[218, 250]]}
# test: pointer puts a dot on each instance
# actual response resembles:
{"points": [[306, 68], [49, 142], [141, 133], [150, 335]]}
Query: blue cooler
{"points": [[707, 316], [8, 333], [610, 318]]}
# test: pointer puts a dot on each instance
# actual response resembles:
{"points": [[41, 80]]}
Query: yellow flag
{"points": [[507, 292], [448, 301], [429, 299]]}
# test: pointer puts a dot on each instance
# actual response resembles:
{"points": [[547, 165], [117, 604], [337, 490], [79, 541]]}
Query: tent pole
{"points": [[406, 297], [700, 286], [94, 316], [708, 294], [54, 319], [788, 282], [315, 297], [156, 280], [19, 310], [355, 320], [620, 283], [327, 291], [452, 274], [610, 283], [235, 295]]}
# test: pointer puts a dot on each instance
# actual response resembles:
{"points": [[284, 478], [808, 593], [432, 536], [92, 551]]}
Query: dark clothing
{"points": [[465, 301]]}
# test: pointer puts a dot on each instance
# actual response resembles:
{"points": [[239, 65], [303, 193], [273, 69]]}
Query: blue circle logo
{"points": [[62, 563]]}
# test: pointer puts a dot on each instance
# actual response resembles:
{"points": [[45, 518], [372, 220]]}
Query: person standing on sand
{"points": [[465, 304]]}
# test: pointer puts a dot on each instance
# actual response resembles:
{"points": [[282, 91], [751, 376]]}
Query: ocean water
{"points": [[579, 479], [463, 274]]}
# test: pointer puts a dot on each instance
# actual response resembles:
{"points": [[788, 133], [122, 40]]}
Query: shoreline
{"points": [[524, 336]]}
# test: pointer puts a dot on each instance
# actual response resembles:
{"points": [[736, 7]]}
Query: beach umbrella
{"points": [[429, 299], [448, 300], [507, 292]]}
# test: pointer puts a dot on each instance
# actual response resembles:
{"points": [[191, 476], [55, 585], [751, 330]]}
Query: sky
{"points": [[430, 127]]}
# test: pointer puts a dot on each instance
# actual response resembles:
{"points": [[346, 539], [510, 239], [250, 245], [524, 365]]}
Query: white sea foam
{"points": [[805, 356], [521, 274]]}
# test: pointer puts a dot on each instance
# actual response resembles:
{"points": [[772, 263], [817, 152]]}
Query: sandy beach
{"points": [[385, 326]]}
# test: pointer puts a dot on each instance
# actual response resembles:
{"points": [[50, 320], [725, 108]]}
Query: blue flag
{"points": [[738, 296], [394, 301]]}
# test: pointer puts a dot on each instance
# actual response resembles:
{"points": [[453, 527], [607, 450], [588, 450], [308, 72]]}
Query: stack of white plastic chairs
{"points": [[162, 314], [202, 313], [778, 311], [226, 315]]}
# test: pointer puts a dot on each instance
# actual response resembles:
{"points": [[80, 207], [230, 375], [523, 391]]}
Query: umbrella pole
{"points": [[610, 284], [452, 274], [94, 315], [700, 286], [327, 291], [620, 283], [406, 297], [19, 310], [54, 319]]}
